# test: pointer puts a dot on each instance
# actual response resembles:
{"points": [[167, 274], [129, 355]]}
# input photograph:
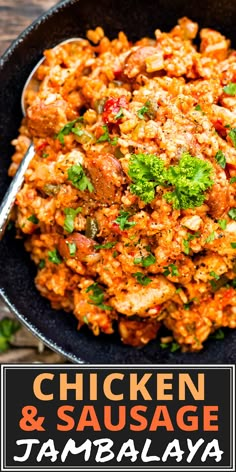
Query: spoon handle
{"points": [[16, 183]]}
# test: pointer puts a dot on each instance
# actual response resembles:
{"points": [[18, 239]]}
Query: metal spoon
{"points": [[9, 199]]}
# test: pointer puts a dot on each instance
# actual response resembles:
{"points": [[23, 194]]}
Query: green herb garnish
{"points": [[145, 261], [105, 246], [33, 219], [119, 115], [69, 219], [42, 264], [232, 180], [233, 245], [190, 178], [146, 171], [54, 256], [232, 135], [198, 107], [122, 220], [173, 346], [67, 130], [79, 179], [230, 89], [141, 278], [221, 159], [97, 296], [232, 213], [72, 248], [222, 223], [171, 269], [219, 334], [211, 237], [8, 327]]}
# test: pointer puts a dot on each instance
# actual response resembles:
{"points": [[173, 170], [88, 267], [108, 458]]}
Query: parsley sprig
{"points": [[67, 129], [142, 278], [189, 179]]}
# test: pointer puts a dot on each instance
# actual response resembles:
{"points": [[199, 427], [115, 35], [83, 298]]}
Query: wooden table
{"points": [[15, 16]]}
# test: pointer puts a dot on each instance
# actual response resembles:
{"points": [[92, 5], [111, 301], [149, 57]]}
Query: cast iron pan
{"points": [[72, 18]]}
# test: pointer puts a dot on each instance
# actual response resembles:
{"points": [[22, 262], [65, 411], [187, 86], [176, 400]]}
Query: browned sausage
{"points": [[46, 119], [106, 175], [135, 62], [218, 197], [84, 246]]}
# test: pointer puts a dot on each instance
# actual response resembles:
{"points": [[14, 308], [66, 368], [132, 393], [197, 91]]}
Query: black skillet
{"points": [[72, 18]]}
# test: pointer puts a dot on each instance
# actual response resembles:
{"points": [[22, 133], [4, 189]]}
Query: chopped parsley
{"points": [[190, 238], [211, 237], [72, 248], [190, 178], [122, 220], [221, 159], [54, 256], [83, 136], [232, 135], [230, 89], [145, 261], [144, 110], [119, 115], [105, 246], [97, 296], [198, 107], [222, 223], [173, 346], [219, 334], [67, 130], [214, 275], [69, 219], [146, 171], [115, 254], [232, 213], [78, 178], [45, 155], [171, 269], [141, 278], [33, 219], [233, 245], [8, 327], [232, 180], [41, 264], [106, 137]]}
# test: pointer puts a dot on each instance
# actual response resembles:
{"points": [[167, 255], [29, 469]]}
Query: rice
{"points": [[120, 234]]}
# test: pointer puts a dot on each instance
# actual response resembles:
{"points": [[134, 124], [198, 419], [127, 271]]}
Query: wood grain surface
{"points": [[15, 16]]}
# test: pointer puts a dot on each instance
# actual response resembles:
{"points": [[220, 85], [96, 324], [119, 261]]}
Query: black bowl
{"points": [[72, 18]]}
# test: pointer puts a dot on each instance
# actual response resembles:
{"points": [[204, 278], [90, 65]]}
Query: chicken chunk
{"points": [[138, 299]]}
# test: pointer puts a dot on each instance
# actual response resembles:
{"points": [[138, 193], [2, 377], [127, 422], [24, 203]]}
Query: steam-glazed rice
{"points": [[128, 207]]}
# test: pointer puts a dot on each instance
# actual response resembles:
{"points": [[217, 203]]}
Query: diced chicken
{"points": [[214, 44], [207, 265], [106, 175], [46, 118], [138, 299], [84, 247]]}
